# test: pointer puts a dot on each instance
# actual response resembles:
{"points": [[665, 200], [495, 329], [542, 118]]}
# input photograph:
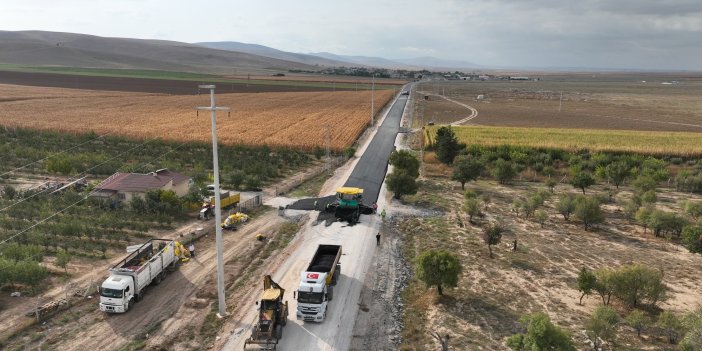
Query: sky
{"points": [[614, 34]]}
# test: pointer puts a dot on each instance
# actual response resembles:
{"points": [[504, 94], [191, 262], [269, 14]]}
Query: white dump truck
{"points": [[317, 284], [145, 264]]}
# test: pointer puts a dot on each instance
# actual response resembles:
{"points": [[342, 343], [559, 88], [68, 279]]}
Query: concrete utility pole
{"points": [[560, 102], [218, 203], [327, 141], [373, 101]]}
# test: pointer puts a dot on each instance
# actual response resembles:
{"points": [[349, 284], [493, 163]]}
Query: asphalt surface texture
{"points": [[371, 168]]}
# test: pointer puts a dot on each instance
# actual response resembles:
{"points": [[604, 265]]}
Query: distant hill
{"points": [[418, 63], [37, 48], [266, 51]]}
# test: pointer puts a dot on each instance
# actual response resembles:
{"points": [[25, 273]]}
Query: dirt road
{"points": [[174, 297], [473, 110]]}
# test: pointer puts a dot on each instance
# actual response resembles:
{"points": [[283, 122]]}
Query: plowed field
{"points": [[278, 119]]}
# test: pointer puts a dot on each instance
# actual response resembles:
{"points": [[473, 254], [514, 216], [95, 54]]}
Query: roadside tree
{"points": [[438, 268], [401, 183], [447, 146], [404, 160]]}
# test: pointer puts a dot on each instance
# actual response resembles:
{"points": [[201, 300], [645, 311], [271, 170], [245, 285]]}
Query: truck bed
{"points": [[325, 259]]}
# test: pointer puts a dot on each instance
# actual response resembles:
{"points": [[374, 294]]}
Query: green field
{"points": [[186, 76], [650, 143]]}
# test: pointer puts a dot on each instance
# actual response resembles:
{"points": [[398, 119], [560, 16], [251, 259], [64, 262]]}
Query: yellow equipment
{"points": [[272, 316]]}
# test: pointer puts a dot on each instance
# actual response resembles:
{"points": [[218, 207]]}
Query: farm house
{"points": [[124, 186]]}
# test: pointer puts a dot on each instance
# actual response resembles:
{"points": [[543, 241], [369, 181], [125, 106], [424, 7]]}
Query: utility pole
{"points": [[218, 203], [327, 141], [560, 102], [373, 101]]}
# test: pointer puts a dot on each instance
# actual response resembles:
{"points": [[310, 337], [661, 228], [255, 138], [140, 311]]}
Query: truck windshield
{"points": [[309, 297], [113, 293]]}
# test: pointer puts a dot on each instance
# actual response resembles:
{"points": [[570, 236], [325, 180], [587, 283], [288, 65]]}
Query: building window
{"points": [[121, 196]]}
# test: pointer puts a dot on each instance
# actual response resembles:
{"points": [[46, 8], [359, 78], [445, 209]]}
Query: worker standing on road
{"points": [[377, 239], [191, 248], [382, 214]]}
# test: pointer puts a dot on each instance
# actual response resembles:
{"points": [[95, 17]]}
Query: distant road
{"points": [[370, 170]]}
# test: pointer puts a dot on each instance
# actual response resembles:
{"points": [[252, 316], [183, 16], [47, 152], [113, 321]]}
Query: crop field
{"points": [[643, 142], [590, 101], [282, 119], [166, 82]]}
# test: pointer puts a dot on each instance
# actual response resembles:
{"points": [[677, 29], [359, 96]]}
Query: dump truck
{"points": [[348, 205], [272, 316], [228, 199], [317, 284], [146, 264]]}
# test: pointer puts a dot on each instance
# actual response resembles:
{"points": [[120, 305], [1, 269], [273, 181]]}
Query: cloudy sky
{"points": [[632, 34]]}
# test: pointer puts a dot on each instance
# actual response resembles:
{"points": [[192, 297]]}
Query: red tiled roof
{"points": [[141, 182]]}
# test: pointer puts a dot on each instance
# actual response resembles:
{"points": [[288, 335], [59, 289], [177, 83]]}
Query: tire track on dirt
{"points": [[473, 110]]}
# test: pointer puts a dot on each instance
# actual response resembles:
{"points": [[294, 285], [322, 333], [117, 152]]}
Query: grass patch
{"points": [[211, 326], [139, 341], [650, 143], [429, 196], [311, 187]]}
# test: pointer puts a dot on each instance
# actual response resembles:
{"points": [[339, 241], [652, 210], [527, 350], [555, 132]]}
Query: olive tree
{"points": [[588, 211], [438, 268], [692, 238], [466, 169], [541, 334], [492, 235], [586, 282], [602, 325], [638, 320]]}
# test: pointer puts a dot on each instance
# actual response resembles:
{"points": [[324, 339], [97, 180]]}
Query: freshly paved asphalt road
{"points": [[370, 170]]}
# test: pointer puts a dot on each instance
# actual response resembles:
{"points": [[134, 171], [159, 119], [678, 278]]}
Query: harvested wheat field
{"points": [[281, 119]]}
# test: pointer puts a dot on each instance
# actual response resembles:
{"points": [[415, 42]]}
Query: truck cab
{"points": [[117, 294], [312, 297]]}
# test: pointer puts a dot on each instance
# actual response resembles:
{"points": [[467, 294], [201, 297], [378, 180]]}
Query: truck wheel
{"points": [[130, 304], [137, 297], [330, 293], [158, 279], [285, 320], [279, 332]]}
